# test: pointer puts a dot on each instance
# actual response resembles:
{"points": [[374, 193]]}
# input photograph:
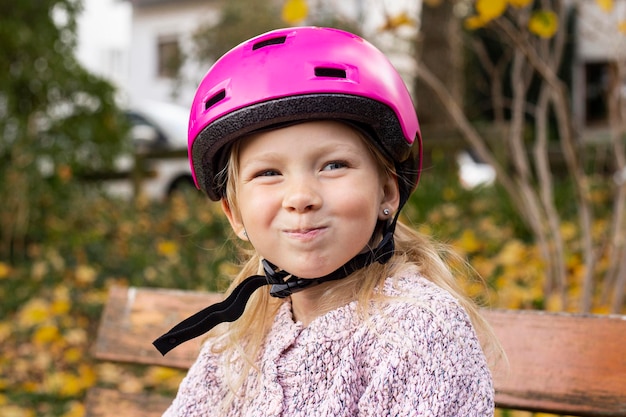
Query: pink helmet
{"points": [[298, 74]]}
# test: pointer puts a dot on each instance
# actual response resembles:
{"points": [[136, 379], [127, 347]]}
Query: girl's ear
{"points": [[391, 195], [234, 219]]}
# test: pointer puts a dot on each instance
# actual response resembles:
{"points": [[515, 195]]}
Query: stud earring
{"points": [[386, 212], [245, 234]]}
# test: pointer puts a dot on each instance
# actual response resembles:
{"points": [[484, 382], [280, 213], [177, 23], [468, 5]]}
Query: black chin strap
{"points": [[228, 310], [285, 284], [282, 284]]}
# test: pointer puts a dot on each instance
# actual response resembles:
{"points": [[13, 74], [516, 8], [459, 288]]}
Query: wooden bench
{"points": [[558, 363]]}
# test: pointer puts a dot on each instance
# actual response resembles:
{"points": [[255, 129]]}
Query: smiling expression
{"points": [[309, 196]]}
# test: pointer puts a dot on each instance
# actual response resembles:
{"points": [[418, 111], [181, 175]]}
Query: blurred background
{"points": [[523, 110]]}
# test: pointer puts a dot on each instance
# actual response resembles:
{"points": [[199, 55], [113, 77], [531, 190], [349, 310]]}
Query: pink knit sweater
{"points": [[417, 356]]}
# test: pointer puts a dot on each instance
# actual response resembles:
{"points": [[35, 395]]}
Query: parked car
{"points": [[159, 134]]}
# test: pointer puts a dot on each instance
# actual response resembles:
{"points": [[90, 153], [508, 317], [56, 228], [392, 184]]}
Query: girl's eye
{"points": [[334, 165], [267, 173]]}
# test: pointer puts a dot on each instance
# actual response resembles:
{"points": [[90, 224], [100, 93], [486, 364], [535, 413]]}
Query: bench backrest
{"points": [[557, 363]]}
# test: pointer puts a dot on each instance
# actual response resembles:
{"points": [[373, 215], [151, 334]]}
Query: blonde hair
{"points": [[434, 261]]}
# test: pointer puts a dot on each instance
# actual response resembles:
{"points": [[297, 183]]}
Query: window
{"points": [[597, 80], [169, 57]]}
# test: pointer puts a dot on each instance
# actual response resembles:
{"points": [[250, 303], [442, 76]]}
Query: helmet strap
{"points": [[282, 284]]}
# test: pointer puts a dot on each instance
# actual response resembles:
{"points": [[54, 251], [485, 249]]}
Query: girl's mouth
{"points": [[304, 233]]}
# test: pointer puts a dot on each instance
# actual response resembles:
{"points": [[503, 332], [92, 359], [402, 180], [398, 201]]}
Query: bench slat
{"points": [[134, 317], [558, 363], [561, 363]]}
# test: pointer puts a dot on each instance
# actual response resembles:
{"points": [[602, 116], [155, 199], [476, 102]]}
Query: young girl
{"points": [[309, 139]]}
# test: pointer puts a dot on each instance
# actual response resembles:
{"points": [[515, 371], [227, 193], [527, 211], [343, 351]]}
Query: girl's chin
{"points": [[310, 267]]}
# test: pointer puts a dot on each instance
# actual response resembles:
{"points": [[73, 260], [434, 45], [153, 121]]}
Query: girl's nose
{"points": [[302, 195]]}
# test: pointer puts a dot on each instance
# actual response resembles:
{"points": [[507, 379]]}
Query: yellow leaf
{"points": [[30, 386], [475, 289], [60, 307], [4, 270], [468, 241], [131, 385], [87, 376], [621, 26], [605, 5], [71, 385], [16, 411], [554, 303], [394, 22], [85, 274], [568, 230], [5, 331], [46, 334], [295, 11], [158, 374], [544, 23], [73, 355], [484, 266], [34, 312], [490, 9], [474, 22], [601, 310], [76, 409], [75, 336], [167, 248], [39, 270], [67, 384], [110, 373], [520, 3], [513, 253]]}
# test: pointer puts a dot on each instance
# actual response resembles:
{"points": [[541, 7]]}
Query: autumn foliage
{"points": [[52, 302], [52, 296]]}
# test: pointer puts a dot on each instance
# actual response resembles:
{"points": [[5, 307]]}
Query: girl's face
{"points": [[309, 196]]}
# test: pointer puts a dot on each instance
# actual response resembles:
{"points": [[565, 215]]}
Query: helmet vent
{"points": [[267, 42], [330, 72], [216, 98]]}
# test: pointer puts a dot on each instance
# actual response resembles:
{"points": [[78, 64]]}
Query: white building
{"points": [[104, 39], [161, 33], [148, 34], [601, 42]]}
